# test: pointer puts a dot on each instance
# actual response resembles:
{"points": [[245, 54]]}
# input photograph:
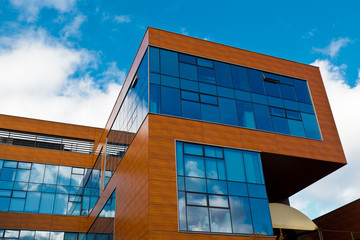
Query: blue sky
{"points": [[65, 60]]}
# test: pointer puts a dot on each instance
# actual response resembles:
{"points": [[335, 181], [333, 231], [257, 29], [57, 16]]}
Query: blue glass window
{"points": [[275, 102], [17, 205], [187, 58], [193, 149], [208, 99], [220, 220], [245, 114], [170, 81], [210, 113], [218, 201], [238, 189], [292, 105], [190, 109], [310, 126], [32, 202], [296, 128], [234, 165], [287, 92], [307, 108], [293, 114], [225, 92], [256, 82], [154, 98], [227, 111], [253, 167], [217, 187], [277, 112], [241, 215], [302, 91], [223, 74], [155, 78], [192, 96], [196, 199], [280, 125], [189, 85], [258, 98], [170, 101], [272, 89], [188, 71], [260, 207], [154, 60], [194, 166], [182, 211], [262, 117], [198, 219], [47, 203], [205, 62], [241, 95], [169, 64], [240, 79], [195, 184], [206, 75], [207, 88], [8, 174], [285, 80], [257, 191]]}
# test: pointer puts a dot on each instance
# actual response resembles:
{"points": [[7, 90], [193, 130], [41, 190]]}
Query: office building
{"points": [[201, 139]]}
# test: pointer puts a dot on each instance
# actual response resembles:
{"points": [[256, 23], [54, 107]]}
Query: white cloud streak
{"points": [[334, 47], [37, 81], [73, 28], [30, 8], [342, 186], [122, 19]]}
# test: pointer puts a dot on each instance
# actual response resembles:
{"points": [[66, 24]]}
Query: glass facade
{"points": [[221, 190], [45, 188], [196, 88], [8, 234], [132, 112]]}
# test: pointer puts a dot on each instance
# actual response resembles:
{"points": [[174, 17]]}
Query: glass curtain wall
{"points": [[221, 190], [196, 88]]}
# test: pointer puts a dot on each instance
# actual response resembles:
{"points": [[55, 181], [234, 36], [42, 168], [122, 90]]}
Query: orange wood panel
{"points": [[10, 220]]}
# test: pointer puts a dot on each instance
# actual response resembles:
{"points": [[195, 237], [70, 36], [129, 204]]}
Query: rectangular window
{"points": [[222, 187]]}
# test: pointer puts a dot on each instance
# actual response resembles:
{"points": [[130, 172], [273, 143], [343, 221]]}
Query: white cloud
{"points": [[37, 81], [73, 28], [334, 47], [122, 19], [31, 8], [342, 186]]}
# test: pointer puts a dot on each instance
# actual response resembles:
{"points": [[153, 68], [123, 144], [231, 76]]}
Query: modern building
{"points": [[202, 139]]}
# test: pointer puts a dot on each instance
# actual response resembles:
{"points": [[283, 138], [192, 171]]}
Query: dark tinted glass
{"points": [[205, 62], [227, 111], [207, 88], [287, 92], [277, 112], [239, 77], [188, 71], [223, 74], [242, 95], [275, 102], [293, 114], [259, 98], [190, 109], [187, 58], [154, 60], [170, 81], [306, 108], [256, 82], [302, 91], [189, 85], [169, 63], [292, 105], [170, 101], [208, 99], [206, 75], [262, 117], [192, 96], [280, 125], [225, 92], [272, 89], [210, 113]]}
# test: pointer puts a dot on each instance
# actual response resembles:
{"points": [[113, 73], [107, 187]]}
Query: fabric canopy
{"points": [[286, 217]]}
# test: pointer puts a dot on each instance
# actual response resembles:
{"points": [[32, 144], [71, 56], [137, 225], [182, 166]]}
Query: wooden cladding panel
{"points": [[11, 220], [50, 128], [28, 154]]}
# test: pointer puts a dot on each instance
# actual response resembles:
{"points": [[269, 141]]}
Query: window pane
{"points": [[256, 82], [241, 216], [302, 91], [227, 111], [241, 95], [188, 71], [225, 92], [190, 109], [217, 187], [239, 77], [198, 219], [280, 125], [293, 114], [193, 149], [76, 180], [24, 165], [213, 152], [27, 235], [262, 117], [182, 211], [218, 201], [169, 63], [261, 216], [272, 89], [285, 80], [277, 112], [179, 158], [180, 183], [11, 234], [208, 99], [8, 174], [296, 128], [187, 58], [220, 220], [207, 88], [22, 175], [155, 78], [211, 168], [194, 166], [210, 113], [154, 98], [308, 108], [206, 75], [64, 175], [205, 62], [47, 203], [221, 169], [223, 74], [17, 205], [192, 96], [195, 184], [259, 98], [310, 125], [196, 199], [4, 203], [51, 173], [32, 202], [10, 164], [288, 92], [170, 81], [245, 114], [60, 204], [275, 102], [292, 105], [154, 60], [234, 165], [170, 101], [237, 189], [256, 190], [253, 167], [189, 85]]}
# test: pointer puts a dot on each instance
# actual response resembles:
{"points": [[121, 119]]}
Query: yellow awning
{"points": [[286, 217]]}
